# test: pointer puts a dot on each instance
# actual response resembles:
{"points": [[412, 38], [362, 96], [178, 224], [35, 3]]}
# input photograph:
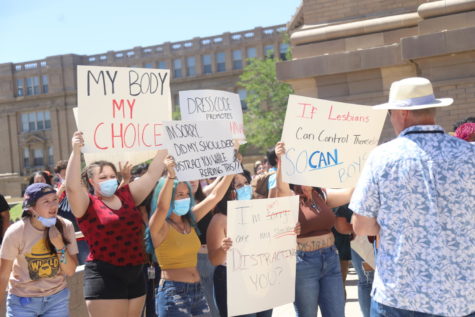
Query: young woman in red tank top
{"points": [[318, 278], [114, 279]]}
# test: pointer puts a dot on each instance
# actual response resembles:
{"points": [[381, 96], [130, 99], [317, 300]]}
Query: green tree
{"points": [[266, 101]]}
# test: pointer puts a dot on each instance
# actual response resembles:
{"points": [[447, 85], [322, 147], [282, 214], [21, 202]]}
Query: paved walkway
{"points": [[352, 308]]}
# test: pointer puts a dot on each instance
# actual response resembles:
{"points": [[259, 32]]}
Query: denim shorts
{"points": [[179, 299], [56, 305], [107, 281]]}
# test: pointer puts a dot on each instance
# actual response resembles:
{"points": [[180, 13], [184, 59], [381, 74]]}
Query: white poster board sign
{"points": [[262, 261], [133, 158], [210, 104], [202, 149], [327, 142], [121, 109]]}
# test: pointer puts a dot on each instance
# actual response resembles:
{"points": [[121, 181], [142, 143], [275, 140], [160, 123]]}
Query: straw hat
{"points": [[412, 94]]}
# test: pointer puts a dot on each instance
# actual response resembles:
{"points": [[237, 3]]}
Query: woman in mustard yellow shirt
{"points": [[173, 233]]}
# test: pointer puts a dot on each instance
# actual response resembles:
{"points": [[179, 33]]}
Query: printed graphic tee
{"points": [[36, 272]]}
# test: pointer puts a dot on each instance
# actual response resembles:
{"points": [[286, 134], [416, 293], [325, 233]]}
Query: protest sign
{"points": [[261, 263], [121, 109], [327, 142], [209, 104], [202, 149], [133, 158]]}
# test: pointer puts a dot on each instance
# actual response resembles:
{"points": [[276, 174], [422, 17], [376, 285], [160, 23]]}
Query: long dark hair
{"points": [[88, 172], [59, 225]]}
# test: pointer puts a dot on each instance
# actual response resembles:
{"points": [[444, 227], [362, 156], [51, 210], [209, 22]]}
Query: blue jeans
{"points": [[365, 283], [179, 299], [380, 310], [56, 305], [206, 270], [318, 283]]}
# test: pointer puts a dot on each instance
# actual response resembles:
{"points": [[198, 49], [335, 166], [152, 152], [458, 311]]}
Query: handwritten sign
{"points": [[202, 149], [261, 263], [213, 105], [133, 158], [120, 109], [327, 142]]}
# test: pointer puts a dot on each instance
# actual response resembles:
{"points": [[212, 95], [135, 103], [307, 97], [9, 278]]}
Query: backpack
{"points": [[260, 185]]}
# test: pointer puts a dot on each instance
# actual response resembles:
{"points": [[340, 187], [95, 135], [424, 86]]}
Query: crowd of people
{"points": [[156, 246]]}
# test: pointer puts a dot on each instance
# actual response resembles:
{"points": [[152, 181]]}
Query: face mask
{"points": [[182, 206], [47, 222], [108, 187], [244, 193]]}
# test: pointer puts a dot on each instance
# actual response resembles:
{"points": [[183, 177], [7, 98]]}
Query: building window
{"points": [[269, 51], [162, 65], [251, 52], [44, 83], [283, 49], [191, 66], [242, 96], [237, 59], [220, 62], [38, 159], [206, 60], [177, 68], [29, 86], [19, 87], [50, 156], [26, 157], [36, 85], [148, 65], [33, 121]]}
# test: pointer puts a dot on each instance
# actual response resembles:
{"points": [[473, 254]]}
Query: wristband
{"points": [[171, 177], [62, 255]]}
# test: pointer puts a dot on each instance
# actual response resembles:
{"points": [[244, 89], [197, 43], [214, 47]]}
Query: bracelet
{"points": [[171, 177], [62, 255]]}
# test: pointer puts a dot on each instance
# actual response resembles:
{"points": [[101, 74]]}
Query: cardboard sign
{"points": [[121, 109], [262, 261], [327, 142], [202, 149], [133, 158], [200, 105]]}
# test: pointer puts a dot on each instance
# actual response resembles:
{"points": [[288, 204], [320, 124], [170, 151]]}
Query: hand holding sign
{"points": [[77, 141], [170, 165]]}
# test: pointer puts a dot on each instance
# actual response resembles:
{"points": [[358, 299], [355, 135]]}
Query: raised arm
{"points": [[283, 188], [209, 188], [216, 240], [77, 194], [145, 184], [157, 220], [201, 209]]}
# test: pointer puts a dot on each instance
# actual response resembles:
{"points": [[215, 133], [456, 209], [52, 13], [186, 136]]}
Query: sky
{"points": [[34, 29]]}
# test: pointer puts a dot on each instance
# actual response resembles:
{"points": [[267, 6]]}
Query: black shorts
{"points": [[106, 281]]}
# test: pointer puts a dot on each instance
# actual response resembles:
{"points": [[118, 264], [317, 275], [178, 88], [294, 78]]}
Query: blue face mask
{"points": [[244, 193], [47, 222], [182, 206], [108, 187]]}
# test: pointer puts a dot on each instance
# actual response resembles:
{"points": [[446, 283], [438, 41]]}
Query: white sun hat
{"points": [[412, 94]]}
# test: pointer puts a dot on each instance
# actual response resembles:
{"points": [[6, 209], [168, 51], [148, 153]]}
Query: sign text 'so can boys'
{"points": [[327, 142]]}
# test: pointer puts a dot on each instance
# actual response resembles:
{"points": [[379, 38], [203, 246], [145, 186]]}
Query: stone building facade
{"points": [[351, 51], [37, 97]]}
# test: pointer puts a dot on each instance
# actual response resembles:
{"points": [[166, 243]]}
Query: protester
{"points": [[40, 177], [205, 268], [37, 254], [417, 193], [318, 278], [114, 279], [258, 168], [176, 243], [466, 132], [364, 271], [219, 243], [4, 217]]}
